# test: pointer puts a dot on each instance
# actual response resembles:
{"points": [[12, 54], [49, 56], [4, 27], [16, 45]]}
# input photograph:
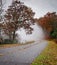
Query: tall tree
{"points": [[18, 16]]}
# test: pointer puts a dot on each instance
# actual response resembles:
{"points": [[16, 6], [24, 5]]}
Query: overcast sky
{"points": [[40, 7]]}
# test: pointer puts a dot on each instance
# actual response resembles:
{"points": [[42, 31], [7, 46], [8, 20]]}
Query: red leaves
{"points": [[47, 22]]}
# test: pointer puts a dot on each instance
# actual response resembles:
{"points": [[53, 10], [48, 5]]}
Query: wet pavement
{"points": [[21, 55]]}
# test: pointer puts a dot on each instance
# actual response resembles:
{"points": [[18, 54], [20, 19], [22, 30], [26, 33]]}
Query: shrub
{"points": [[8, 41], [53, 34]]}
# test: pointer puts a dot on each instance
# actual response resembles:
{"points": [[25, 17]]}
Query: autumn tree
{"points": [[18, 16], [49, 23]]}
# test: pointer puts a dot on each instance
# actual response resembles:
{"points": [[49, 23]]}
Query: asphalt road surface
{"points": [[21, 55]]}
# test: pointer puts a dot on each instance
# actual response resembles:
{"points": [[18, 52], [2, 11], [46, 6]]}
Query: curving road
{"points": [[21, 55]]}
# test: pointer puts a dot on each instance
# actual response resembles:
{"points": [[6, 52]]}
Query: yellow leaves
{"points": [[48, 56]]}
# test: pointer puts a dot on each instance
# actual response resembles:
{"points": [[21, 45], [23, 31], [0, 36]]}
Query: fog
{"points": [[37, 34], [40, 7]]}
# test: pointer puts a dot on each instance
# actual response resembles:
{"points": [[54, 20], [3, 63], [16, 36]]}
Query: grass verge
{"points": [[48, 56], [15, 44]]}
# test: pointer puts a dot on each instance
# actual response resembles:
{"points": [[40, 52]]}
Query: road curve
{"points": [[21, 55]]}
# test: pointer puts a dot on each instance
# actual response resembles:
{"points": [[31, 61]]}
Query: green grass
{"points": [[48, 56]]}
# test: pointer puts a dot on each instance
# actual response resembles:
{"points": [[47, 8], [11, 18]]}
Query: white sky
{"points": [[40, 7]]}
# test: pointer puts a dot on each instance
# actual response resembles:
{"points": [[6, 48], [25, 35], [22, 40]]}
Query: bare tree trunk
{"points": [[13, 35]]}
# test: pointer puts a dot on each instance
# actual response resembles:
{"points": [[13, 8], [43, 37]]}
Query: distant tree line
{"points": [[49, 24]]}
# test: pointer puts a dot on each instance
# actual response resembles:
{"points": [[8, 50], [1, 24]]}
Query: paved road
{"points": [[21, 55]]}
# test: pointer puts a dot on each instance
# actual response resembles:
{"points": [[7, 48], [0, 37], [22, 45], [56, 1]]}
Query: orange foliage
{"points": [[49, 21]]}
